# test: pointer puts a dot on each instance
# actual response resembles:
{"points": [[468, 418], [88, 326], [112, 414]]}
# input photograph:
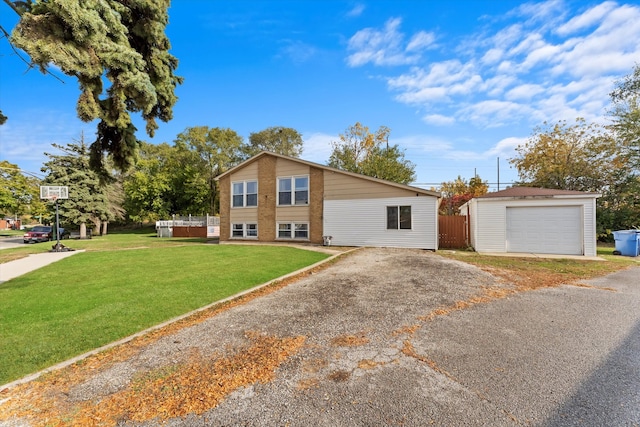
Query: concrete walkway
{"points": [[21, 266]]}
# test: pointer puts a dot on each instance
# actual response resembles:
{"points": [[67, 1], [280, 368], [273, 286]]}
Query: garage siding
{"points": [[363, 222], [491, 233], [489, 222]]}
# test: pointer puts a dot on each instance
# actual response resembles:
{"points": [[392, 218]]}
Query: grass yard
{"points": [[533, 273], [123, 239], [97, 297]]}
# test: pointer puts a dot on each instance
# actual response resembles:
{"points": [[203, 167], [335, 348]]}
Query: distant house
{"points": [[533, 220], [271, 197]]}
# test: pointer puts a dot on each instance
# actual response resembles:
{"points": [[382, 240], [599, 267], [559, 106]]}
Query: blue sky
{"points": [[459, 83]]}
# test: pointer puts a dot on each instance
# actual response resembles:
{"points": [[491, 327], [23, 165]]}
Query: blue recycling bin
{"points": [[627, 242]]}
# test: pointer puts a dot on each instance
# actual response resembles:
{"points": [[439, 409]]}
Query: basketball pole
{"points": [[57, 228]]}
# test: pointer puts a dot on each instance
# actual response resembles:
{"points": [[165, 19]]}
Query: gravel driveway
{"points": [[382, 337]]}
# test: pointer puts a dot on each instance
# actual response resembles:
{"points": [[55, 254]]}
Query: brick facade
{"points": [[316, 200], [225, 207], [267, 199]]}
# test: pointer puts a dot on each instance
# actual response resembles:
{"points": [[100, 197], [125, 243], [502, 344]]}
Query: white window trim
{"points": [[244, 193], [293, 231], [244, 230], [292, 179]]}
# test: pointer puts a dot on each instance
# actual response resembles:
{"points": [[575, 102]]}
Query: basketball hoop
{"points": [[54, 192]]}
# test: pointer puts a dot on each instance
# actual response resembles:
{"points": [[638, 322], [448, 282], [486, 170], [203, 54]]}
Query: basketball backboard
{"points": [[54, 192]]}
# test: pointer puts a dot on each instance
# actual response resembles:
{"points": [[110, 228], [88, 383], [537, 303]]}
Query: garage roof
{"points": [[533, 192]]}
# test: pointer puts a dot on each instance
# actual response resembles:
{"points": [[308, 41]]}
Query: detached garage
{"points": [[533, 220]]}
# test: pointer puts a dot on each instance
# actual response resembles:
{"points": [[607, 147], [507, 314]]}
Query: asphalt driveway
{"points": [[382, 337]]}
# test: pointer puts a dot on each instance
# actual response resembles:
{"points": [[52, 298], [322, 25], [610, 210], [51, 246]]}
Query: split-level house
{"points": [[275, 198]]}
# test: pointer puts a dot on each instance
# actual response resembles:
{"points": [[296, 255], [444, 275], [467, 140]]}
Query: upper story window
{"points": [[293, 190], [245, 193], [398, 217]]}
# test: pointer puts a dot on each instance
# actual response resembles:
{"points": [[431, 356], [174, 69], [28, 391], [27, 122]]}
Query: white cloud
{"points": [[492, 56], [356, 10], [505, 147], [494, 113], [297, 51], [587, 19], [524, 92], [546, 63], [439, 119], [421, 40], [317, 146], [387, 46]]}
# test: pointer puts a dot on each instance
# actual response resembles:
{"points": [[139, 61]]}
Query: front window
{"points": [[284, 231], [244, 230], [302, 190], [284, 191], [237, 230], [398, 217], [293, 191], [293, 230], [252, 230], [252, 193], [302, 231], [245, 193]]}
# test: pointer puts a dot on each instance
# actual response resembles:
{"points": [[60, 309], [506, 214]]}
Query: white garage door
{"points": [[545, 230]]}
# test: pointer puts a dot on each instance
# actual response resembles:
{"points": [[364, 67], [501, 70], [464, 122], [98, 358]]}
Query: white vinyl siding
{"points": [[363, 222]]}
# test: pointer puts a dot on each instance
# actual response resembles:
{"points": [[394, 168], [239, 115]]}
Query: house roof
{"points": [[533, 192], [330, 169]]}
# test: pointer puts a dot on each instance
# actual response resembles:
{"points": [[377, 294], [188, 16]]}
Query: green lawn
{"points": [[94, 298]]}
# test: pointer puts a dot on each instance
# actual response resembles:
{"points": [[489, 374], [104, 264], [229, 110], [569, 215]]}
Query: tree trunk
{"points": [[104, 228], [83, 230]]}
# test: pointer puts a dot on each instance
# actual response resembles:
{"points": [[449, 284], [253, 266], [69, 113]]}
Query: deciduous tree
{"points": [[116, 41], [459, 191], [367, 153], [147, 186], [281, 140], [578, 157], [216, 151], [19, 194], [626, 115]]}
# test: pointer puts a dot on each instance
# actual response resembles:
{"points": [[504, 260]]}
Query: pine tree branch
{"points": [[5, 34]]}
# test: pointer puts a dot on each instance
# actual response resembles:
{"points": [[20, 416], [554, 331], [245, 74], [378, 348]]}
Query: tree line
{"points": [[180, 178]]}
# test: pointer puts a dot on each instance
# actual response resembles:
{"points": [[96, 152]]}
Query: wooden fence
{"points": [[453, 232]]}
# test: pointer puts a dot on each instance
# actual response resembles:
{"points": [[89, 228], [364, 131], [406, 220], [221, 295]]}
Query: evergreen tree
{"points": [[87, 202], [121, 41]]}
